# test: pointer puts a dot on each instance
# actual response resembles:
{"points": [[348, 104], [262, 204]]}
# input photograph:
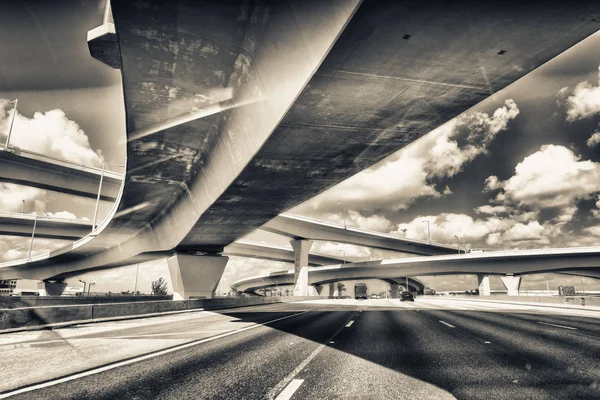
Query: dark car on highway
{"points": [[407, 296]]}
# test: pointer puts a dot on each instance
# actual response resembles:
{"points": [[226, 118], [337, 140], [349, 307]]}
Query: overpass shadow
{"points": [[415, 351]]}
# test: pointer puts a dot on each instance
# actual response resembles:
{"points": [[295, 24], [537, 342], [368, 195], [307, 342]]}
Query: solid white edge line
{"points": [[557, 326], [137, 359], [349, 324], [289, 391], [447, 324]]}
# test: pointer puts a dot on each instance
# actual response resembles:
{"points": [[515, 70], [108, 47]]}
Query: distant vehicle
{"points": [[360, 291], [407, 296]]}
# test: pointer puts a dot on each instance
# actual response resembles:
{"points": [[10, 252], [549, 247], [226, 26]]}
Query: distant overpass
{"points": [[319, 277], [263, 106], [509, 265]]}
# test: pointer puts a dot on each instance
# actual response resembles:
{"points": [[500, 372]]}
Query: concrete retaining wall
{"points": [[43, 301], [38, 317]]}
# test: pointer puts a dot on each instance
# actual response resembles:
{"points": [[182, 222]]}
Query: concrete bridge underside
{"points": [[238, 111]]}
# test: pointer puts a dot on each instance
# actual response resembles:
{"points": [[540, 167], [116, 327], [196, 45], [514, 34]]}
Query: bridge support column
{"points": [[301, 248], [331, 289], [195, 276], [394, 289], [512, 284], [484, 284], [51, 288]]}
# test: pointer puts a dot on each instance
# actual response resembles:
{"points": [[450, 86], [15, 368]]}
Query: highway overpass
{"points": [[298, 227], [24, 167], [237, 112], [318, 277], [584, 261]]}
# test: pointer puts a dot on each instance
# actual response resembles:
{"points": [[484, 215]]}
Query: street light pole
{"points": [[404, 231], [23, 207], [32, 236], [137, 272], [84, 286], [428, 232], [458, 243], [12, 121], [89, 287], [343, 259]]}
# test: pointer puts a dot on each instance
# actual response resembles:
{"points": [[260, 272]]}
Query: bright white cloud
{"points": [[584, 102], [17, 198], [444, 226], [17, 248], [531, 231], [594, 140], [553, 177], [396, 182], [354, 219], [491, 210], [50, 133]]}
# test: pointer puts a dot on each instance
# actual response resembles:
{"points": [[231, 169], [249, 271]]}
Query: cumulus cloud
{"points": [[594, 140], [14, 198], [491, 210], [50, 133], [584, 102], [17, 248], [444, 226], [553, 177], [413, 172]]}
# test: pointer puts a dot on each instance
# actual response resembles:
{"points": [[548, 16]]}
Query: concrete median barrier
{"points": [[29, 318], [39, 317]]}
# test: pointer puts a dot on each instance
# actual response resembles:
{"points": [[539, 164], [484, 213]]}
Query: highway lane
{"points": [[359, 349]]}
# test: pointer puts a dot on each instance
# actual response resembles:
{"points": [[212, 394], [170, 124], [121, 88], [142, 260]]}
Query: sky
{"points": [[520, 170]]}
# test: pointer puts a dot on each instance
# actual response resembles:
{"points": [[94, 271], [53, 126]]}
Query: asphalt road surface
{"points": [[373, 349]]}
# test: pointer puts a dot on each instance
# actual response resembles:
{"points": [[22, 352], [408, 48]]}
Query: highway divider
{"points": [[32, 318]]}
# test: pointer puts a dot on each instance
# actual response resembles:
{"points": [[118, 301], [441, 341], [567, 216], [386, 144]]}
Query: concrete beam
{"points": [[28, 168], [394, 289], [47, 288], [483, 282], [14, 224], [295, 226], [512, 284], [195, 276], [301, 249]]}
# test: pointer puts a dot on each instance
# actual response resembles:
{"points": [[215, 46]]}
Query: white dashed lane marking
{"points": [[289, 391], [557, 326], [447, 324], [349, 324]]}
